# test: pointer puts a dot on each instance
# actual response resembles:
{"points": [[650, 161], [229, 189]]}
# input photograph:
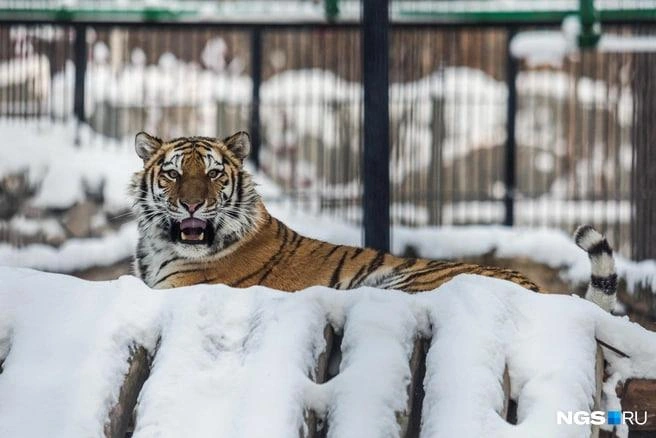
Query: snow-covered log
{"points": [[477, 357], [120, 415]]}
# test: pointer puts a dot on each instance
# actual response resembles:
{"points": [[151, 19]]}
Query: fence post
{"points": [[256, 75], [512, 67], [375, 164], [80, 59]]}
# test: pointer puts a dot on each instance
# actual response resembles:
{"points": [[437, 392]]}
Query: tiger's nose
{"points": [[191, 206]]}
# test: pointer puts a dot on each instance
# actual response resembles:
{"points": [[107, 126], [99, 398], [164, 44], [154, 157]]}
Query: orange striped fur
{"points": [[239, 243]]}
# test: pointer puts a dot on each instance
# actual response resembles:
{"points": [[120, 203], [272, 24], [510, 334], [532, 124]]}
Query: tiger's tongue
{"points": [[192, 229]]}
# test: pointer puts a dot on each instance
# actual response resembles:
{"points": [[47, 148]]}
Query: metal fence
{"points": [[455, 93]]}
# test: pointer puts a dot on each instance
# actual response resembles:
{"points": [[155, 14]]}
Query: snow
{"points": [[379, 333], [552, 47], [62, 170], [32, 67], [545, 209], [74, 254], [229, 360], [541, 47], [234, 363], [550, 247], [48, 227], [83, 332]]}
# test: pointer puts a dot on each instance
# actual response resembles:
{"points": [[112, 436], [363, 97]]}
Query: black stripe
{"points": [[279, 229], [181, 150], [240, 187], [296, 241], [454, 272], [232, 191], [205, 144], [406, 264], [357, 252], [274, 261], [334, 279], [270, 264], [599, 248], [582, 231], [229, 240], [166, 262], [152, 182], [352, 283], [166, 277], [315, 249], [332, 251], [143, 267], [237, 282], [375, 264], [406, 279], [143, 188], [607, 285], [178, 141]]}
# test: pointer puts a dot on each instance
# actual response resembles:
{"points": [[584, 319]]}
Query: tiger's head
{"points": [[193, 193]]}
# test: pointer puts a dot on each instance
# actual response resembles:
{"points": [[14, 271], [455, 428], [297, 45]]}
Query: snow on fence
{"points": [[482, 357]]}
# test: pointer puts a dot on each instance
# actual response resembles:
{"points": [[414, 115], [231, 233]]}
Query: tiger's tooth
{"points": [[186, 236]]}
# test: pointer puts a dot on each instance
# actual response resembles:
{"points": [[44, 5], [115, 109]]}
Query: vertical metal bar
{"points": [[256, 75], [375, 164], [512, 66], [80, 59]]}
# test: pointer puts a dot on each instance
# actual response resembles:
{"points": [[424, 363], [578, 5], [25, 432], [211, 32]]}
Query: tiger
{"points": [[201, 220]]}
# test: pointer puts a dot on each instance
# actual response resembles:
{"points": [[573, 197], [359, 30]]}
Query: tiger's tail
{"points": [[602, 289]]}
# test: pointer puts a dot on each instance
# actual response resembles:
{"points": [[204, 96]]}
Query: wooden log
{"points": [[120, 417], [505, 383], [315, 426], [599, 383], [640, 395], [410, 418]]}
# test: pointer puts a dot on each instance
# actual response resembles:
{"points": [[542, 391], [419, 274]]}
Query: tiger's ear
{"points": [[239, 144], [146, 145]]}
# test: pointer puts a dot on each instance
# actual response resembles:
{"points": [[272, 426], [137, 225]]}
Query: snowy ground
{"points": [[235, 363]]}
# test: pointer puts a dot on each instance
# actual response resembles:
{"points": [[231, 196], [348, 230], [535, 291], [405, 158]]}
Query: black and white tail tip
{"points": [[603, 279]]}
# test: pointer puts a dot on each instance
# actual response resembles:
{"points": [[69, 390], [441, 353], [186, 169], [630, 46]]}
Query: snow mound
{"points": [[238, 362]]}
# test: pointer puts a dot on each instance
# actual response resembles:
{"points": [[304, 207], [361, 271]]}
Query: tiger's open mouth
{"points": [[192, 230]]}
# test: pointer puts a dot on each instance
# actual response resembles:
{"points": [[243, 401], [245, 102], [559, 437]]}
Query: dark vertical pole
{"points": [[256, 75], [80, 56], [512, 66], [375, 164]]}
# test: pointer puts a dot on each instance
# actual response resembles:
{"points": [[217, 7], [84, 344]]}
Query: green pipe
{"points": [[590, 27], [554, 17], [332, 9], [400, 14], [73, 14]]}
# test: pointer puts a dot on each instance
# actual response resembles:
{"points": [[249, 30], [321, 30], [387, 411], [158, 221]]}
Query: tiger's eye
{"points": [[173, 174], [213, 173]]}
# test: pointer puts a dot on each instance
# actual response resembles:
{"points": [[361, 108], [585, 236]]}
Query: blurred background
{"points": [[526, 113]]}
